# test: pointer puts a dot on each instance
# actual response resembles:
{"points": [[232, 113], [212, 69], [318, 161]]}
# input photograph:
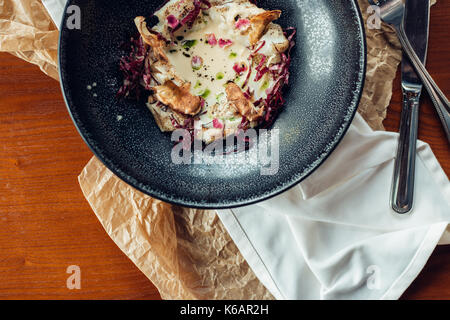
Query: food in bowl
{"points": [[211, 67]]}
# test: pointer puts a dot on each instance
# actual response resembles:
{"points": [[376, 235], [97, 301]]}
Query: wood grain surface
{"points": [[46, 225]]}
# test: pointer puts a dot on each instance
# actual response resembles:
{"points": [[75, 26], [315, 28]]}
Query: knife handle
{"points": [[402, 194], [438, 98]]}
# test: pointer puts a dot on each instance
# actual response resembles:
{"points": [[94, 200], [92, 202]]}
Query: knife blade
{"points": [[416, 22]]}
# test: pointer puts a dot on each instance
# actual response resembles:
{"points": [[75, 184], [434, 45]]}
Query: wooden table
{"points": [[46, 224]]}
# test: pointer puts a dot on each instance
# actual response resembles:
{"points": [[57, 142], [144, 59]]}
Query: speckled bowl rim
{"points": [[296, 179]]}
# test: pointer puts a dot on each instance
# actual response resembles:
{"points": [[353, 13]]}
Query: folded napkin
{"points": [[56, 10], [335, 236]]}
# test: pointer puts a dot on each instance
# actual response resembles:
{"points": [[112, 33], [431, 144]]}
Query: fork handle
{"points": [[402, 194], [437, 96]]}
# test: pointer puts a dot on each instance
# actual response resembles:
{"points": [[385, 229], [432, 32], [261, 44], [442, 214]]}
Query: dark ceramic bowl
{"points": [[327, 77]]}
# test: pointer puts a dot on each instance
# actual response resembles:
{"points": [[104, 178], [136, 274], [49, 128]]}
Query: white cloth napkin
{"points": [[335, 236], [56, 10]]}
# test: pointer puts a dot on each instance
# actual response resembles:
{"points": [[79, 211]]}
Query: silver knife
{"points": [[416, 22]]}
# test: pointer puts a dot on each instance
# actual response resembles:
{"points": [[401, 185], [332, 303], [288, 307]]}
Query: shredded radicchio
{"points": [[280, 73], [247, 79], [261, 69], [225, 43], [211, 38], [172, 21], [188, 123], [189, 19], [248, 94], [257, 49], [136, 75], [196, 62], [239, 68], [217, 124], [242, 24]]}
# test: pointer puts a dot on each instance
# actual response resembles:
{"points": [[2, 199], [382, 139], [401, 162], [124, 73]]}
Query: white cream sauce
{"points": [[217, 69]]}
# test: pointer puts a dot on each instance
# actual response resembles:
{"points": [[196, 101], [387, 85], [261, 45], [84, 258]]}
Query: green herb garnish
{"points": [[205, 93], [219, 96], [233, 55], [220, 76], [189, 44], [265, 85], [198, 84]]}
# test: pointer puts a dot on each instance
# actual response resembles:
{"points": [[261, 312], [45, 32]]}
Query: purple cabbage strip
{"points": [[135, 75], [275, 100]]}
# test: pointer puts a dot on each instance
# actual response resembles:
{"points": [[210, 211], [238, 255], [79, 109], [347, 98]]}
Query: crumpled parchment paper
{"points": [[186, 253], [27, 31]]}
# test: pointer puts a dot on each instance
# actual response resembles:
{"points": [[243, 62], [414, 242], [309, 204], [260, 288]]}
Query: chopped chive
{"points": [[189, 44], [265, 85], [205, 93], [219, 96], [220, 76], [198, 84], [233, 55]]}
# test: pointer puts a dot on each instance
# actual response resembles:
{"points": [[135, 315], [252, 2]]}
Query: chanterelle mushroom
{"points": [[178, 98], [156, 44], [259, 24], [244, 106]]}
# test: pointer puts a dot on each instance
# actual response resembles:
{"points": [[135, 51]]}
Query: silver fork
{"points": [[391, 12]]}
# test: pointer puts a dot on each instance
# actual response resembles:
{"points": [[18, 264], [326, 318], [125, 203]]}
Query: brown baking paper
{"points": [[27, 31], [186, 253]]}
